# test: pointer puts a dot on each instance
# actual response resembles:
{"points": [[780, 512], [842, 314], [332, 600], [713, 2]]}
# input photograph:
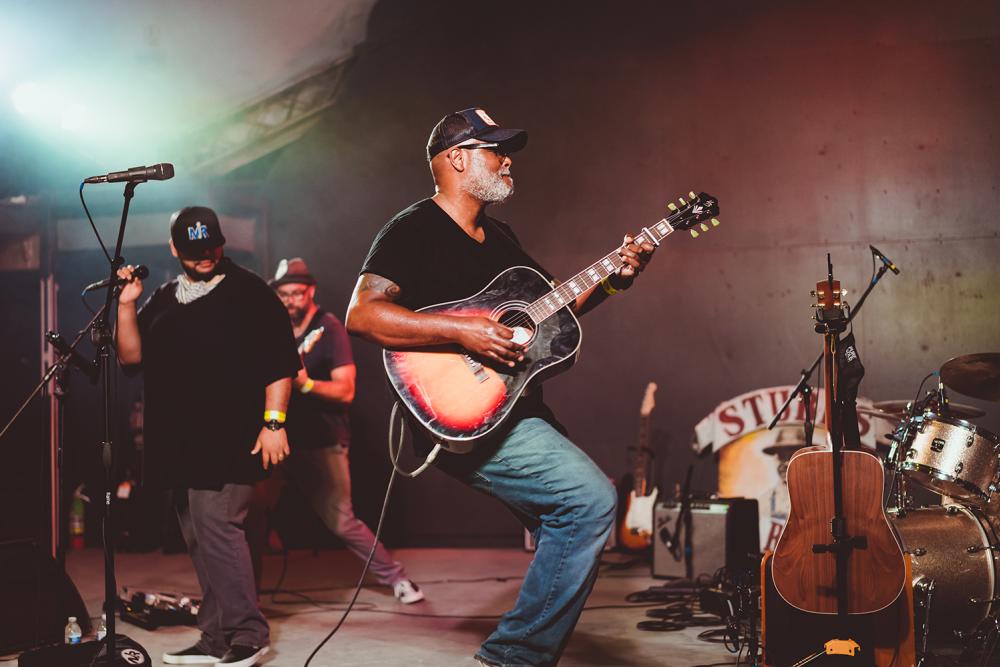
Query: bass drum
{"points": [[953, 550]]}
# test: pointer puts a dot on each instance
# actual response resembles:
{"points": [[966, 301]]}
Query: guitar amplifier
{"points": [[723, 532]]}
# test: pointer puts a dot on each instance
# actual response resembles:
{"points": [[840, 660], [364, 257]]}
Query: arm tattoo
{"points": [[376, 283]]}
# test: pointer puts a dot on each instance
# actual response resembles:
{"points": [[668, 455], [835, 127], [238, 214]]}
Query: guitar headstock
{"points": [[830, 304], [693, 212], [648, 402]]}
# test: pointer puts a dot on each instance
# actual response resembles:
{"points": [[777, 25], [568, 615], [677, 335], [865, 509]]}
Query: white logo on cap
{"points": [[199, 231], [486, 118]]}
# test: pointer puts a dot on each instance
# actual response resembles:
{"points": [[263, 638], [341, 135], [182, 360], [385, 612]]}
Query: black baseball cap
{"points": [[473, 123], [195, 230]]}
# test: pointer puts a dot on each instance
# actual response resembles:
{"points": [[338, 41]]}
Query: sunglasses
{"points": [[496, 148]]}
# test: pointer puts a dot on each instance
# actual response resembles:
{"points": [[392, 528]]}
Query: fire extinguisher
{"points": [[76, 518]]}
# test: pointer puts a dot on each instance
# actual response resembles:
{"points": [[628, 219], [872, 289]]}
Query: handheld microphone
{"points": [[140, 272], [157, 172], [885, 260], [60, 345]]}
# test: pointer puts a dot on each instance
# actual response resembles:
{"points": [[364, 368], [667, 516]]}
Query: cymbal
{"points": [[896, 409], [976, 375]]}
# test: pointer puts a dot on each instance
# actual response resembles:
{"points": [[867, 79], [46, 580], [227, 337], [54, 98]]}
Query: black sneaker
{"points": [[190, 656], [242, 656]]}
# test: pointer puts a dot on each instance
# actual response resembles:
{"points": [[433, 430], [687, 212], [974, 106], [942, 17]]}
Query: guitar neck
{"points": [[641, 457], [568, 291]]}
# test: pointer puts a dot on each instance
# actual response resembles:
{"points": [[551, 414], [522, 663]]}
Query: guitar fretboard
{"points": [[568, 291]]}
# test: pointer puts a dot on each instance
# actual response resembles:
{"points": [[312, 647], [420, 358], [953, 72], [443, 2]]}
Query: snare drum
{"points": [[954, 548], [954, 457]]}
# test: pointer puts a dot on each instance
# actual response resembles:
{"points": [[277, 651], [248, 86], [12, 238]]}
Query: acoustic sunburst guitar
{"points": [[458, 398]]}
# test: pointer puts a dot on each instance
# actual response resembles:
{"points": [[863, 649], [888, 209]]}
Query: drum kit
{"points": [[955, 546]]}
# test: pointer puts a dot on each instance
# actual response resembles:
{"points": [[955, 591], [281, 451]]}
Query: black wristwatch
{"points": [[274, 425]]}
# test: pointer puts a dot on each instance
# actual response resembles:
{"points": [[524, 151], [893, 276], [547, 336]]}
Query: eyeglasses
{"points": [[496, 148], [292, 296]]}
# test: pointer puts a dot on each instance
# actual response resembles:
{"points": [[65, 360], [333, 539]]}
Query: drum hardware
{"points": [[924, 590], [974, 548]]}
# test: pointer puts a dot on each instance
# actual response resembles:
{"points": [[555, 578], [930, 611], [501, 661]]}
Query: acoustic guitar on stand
{"points": [[636, 531], [457, 398]]}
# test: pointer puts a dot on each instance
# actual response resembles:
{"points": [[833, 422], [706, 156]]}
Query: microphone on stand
{"points": [[140, 272], [157, 172], [885, 260], [60, 345], [942, 397]]}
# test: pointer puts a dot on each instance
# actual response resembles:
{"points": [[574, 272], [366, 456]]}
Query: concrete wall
{"points": [[822, 127]]}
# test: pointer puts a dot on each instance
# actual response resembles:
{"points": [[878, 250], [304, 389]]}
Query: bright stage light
{"points": [[30, 98], [74, 117]]}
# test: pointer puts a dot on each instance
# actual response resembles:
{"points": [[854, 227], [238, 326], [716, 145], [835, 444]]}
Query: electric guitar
{"points": [[637, 527], [309, 342], [458, 398]]}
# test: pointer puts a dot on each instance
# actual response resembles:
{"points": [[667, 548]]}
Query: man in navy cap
{"points": [[446, 248], [218, 360]]}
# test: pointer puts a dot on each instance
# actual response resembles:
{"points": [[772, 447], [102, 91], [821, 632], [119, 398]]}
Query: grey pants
{"points": [[324, 477], [212, 525]]}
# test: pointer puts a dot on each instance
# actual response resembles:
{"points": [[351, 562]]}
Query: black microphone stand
{"points": [[104, 341]]}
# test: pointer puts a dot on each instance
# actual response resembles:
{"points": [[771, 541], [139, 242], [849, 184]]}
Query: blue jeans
{"points": [[569, 504]]}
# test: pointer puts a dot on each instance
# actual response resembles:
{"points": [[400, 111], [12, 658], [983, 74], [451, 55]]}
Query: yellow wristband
{"points": [[307, 386], [274, 415], [606, 286]]}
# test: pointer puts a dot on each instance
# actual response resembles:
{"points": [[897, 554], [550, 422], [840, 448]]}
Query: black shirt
{"points": [[206, 366], [433, 260], [314, 421]]}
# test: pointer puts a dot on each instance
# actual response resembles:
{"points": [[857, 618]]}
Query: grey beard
{"points": [[488, 187]]}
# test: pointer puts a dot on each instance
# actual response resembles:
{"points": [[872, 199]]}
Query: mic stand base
{"points": [[128, 653]]}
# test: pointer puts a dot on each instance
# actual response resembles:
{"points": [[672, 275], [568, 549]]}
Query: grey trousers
{"points": [[324, 477], [212, 525]]}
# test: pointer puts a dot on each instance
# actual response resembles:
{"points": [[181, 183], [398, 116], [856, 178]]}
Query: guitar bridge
{"points": [[476, 368]]}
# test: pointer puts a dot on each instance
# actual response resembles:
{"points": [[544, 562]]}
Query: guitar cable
{"points": [[394, 459], [394, 454]]}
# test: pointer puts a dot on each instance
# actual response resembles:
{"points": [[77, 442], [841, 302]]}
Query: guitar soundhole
{"points": [[520, 322]]}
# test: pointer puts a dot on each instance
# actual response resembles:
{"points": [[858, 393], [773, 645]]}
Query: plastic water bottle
{"points": [[102, 627], [73, 632]]}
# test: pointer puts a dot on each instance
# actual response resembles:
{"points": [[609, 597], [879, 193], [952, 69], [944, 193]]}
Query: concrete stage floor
{"points": [[464, 588]]}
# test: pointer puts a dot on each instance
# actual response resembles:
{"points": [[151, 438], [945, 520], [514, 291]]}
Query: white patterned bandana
{"points": [[191, 290]]}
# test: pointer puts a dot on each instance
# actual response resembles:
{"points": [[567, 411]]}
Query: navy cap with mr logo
{"points": [[473, 123], [196, 230]]}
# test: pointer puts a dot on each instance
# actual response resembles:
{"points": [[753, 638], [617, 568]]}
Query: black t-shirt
{"points": [[206, 366], [433, 261], [314, 421]]}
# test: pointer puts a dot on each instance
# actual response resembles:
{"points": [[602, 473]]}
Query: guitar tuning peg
{"points": [[694, 233], [692, 195], [715, 222], [704, 227], [672, 206], [681, 200]]}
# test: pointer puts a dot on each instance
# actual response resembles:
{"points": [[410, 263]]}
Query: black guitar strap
{"points": [[850, 371]]}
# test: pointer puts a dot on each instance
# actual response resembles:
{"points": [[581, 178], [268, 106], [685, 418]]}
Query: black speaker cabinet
{"points": [[36, 597], [723, 532]]}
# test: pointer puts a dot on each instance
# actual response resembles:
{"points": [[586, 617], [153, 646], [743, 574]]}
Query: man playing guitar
{"points": [[443, 249]]}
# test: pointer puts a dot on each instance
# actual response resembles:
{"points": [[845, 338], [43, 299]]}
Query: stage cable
{"points": [[394, 459]]}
